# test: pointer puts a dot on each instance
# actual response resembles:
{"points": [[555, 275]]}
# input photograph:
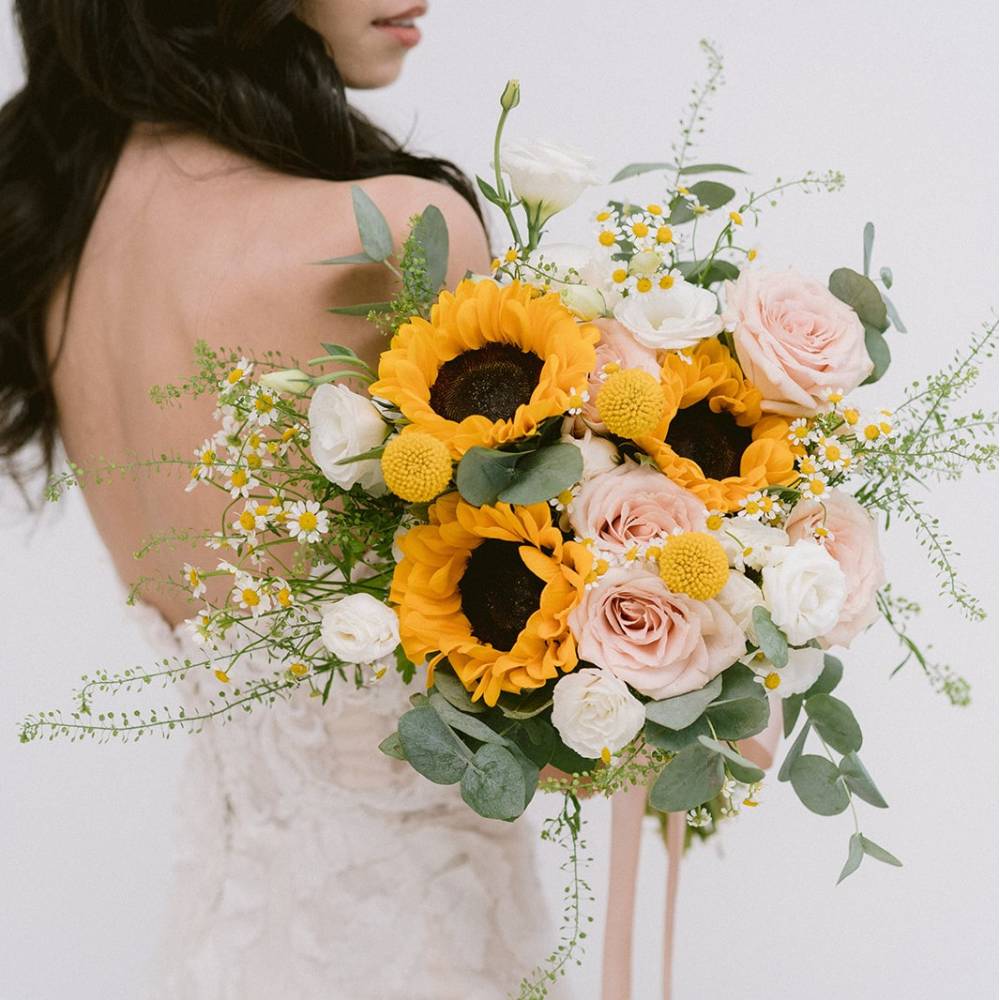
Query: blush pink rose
{"points": [[633, 505], [854, 544], [661, 643], [794, 338], [617, 346]]}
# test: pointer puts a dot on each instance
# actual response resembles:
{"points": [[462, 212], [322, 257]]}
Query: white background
{"points": [[902, 97]]}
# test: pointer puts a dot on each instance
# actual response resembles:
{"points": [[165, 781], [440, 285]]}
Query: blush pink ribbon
{"points": [[628, 809]]}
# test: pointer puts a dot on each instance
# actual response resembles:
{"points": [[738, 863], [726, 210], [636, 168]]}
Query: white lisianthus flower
{"points": [[343, 423], [547, 177], [599, 454], [795, 677], [804, 589], [749, 543], [672, 318], [289, 380], [594, 712], [739, 597], [359, 628], [582, 301]]}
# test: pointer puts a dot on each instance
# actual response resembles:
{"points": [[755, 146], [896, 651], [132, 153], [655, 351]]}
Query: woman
{"points": [[166, 175]]}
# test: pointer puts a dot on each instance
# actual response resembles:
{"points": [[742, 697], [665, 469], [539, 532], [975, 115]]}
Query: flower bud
{"points": [[646, 263], [289, 380], [584, 302], [511, 96]]}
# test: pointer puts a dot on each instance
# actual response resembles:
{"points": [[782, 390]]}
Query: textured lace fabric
{"points": [[312, 867]]}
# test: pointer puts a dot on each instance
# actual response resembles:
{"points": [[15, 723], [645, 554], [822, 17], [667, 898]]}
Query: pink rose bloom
{"points": [[633, 505], [794, 338], [616, 345], [854, 544], [661, 643]]}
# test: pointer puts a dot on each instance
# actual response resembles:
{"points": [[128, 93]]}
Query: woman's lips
{"points": [[401, 27]]}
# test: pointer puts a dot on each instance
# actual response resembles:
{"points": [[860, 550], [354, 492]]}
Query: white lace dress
{"points": [[312, 867]]}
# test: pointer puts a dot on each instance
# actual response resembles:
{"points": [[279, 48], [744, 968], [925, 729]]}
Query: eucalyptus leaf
{"points": [[708, 272], [392, 747], [712, 194], [695, 776], [835, 722], [818, 784], [878, 351], [790, 708], [742, 709], [893, 315], [535, 737], [860, 781], [861, 295], [343, 353], [564, 759], [431, 747], [880, 853], [634, 169], [681, 711], [675, 740], [351, 258], [869, 239], [525, 705], [376, 236], [770, 638], [794, 752], [483, 473], [855, 855], [431, 232], [710, 168], [739, 767], [529, 771], [463, 723], [493, 784], [833, 670], [454, 691], [885, 273], [543, 474]]}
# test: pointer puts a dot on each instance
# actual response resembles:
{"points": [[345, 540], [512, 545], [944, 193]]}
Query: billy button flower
{"points": [[490, 589], [631, 403], [416, 466], [713, 438], [694, 563], [488, 367]]}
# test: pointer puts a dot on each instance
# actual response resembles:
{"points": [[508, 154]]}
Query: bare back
{"points": [[194, 242]]}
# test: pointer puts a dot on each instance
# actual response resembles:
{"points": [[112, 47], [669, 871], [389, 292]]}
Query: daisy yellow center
{"points": [[193, 578], [235, 375], [299, 669], [667, 282], [619, 274], [207, 457], [239, 477], [221, 676], [416, 467], [492, 381], [247, 520], [630, 403], [695, 564], [284, 597], [606, 238], [640, 229], [254, 461], [664, 234], [654, 209], [499, 593], [714, 522], [264, 403], [751, 255], [713, 440], [772, 681], [307, 521], [643, 285], [250, 597]]}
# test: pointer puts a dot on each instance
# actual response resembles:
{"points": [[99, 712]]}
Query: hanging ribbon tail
{"points": [[627, 811], [760, 749]]}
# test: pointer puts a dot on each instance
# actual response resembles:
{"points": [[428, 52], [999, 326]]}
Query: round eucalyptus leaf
{"points": [[835, 722], [818, 784], [431, 747], [691, 779], [494, 783]]}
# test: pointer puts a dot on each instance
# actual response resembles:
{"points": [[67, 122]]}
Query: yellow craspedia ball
{"points": [[630, 403], [695, 564], [416, 467]]}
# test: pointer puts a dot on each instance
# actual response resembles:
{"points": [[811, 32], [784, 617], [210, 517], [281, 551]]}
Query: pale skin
{"points": [[194, 242]]}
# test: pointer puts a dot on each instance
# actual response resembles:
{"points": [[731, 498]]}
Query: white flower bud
{"points": [[289, 380]]}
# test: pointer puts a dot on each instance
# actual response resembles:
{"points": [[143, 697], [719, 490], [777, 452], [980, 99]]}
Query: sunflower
{"points": [[491, 589], [489, 366], [713, 439]]}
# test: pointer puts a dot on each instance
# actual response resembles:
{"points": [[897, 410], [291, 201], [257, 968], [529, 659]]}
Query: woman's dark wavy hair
{"points": [[248, 74]]}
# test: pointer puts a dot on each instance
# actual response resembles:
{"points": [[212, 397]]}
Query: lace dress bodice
{"points": [[312, 867]]}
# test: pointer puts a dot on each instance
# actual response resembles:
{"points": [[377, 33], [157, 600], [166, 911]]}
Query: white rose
{"points": [[343, 423], [359, 628], [749, 543], [599, 454], [739, 597], [804, 589], [592, 709], [545, 176], [795, 677], [672, 318]]}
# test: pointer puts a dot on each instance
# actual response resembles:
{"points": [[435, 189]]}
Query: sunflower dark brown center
{"points": [[714, 440], [499, 593], [493, 380]]}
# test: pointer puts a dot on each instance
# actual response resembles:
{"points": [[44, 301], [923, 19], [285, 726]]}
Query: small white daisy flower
{"points": [[251, 594], [194, 580], [305, 521], [240, 372]]}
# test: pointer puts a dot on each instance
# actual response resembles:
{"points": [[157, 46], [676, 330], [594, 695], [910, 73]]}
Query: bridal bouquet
{"points": [[615, 502]]}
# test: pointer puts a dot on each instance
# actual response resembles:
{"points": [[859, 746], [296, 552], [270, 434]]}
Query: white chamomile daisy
{"points": [[207, 459], [833, 454], [816, 487], [263, 405], [752, 506], [251, 594], [564, 500], [194, 580], [574, 405], [801, 431], [281, 593], [250, 521], [240, 482], [240, 372], [305, 521], [833, 396]]}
